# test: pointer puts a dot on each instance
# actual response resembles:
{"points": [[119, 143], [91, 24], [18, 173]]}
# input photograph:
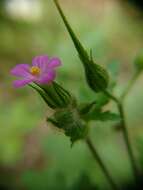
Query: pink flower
{"points": [[42, 71]]}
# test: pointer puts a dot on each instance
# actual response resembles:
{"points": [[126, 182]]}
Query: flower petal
{"points": [[21, 70], [21, 83], [54, 62], [46, 77], [40, 61]]}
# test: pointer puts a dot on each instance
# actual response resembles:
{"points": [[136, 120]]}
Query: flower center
{"points": [[35, 70]]}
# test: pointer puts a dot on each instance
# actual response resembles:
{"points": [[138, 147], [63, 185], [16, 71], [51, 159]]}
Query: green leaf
{"points": [[97, 114], [108, 116]]}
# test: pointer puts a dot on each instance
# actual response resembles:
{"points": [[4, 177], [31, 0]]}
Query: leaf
{"points": [[108, 116], [98, 115]]}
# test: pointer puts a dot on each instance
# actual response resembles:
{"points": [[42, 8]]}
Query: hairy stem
{"points": [[101, 164], [127, 141]]}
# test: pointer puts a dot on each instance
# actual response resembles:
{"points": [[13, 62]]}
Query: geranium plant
{"points": [[69, 115]]}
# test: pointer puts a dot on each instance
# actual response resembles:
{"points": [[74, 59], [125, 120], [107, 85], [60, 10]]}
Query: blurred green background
{"points": [[34, 155]]}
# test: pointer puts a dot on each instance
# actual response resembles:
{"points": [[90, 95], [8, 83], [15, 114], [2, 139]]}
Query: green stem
{"points": [[129, 86], [80, 49], [125, 135], [101, 164], [127, 141]]}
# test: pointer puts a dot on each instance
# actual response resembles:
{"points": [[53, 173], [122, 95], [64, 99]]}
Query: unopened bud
{"points": [[71, 123], [96, 76]]}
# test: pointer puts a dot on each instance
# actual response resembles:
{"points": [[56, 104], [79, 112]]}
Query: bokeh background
{"points": [[33, 154]]}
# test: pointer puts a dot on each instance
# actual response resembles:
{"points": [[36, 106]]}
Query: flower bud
{"points": [[96, 76], [70, 121]]}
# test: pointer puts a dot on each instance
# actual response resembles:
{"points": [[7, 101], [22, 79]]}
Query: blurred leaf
{"points": [[98, 115], [107, 115], [93, 110]]}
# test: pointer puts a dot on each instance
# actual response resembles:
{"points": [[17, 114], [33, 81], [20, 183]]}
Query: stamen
{"points": [[35, 70]]}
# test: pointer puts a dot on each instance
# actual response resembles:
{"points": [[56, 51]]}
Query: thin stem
{"points": [[128, 144], [125, 135], [129, 86], [111, 96], [101, 164]]}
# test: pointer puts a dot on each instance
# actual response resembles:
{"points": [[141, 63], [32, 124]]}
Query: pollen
{"points": [[35, 70]]}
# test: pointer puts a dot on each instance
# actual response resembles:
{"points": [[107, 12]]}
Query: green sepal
{"points": [[59, 95], [96, 76], [70, 122], [54, 95], [44, 96], [97, 115]]}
